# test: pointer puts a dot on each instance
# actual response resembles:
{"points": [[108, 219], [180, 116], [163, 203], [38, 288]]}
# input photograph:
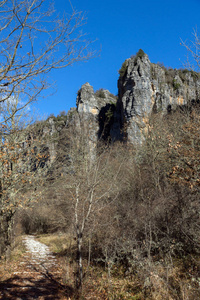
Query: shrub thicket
{"points": [[151, 222]]}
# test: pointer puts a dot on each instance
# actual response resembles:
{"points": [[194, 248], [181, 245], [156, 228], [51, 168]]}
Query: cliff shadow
{"points": [[106, 121]]}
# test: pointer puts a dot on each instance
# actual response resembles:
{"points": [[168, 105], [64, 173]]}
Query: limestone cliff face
{"points": [[50, 131], [88, 101], [91, 118], [96, 110], [145, 88]]}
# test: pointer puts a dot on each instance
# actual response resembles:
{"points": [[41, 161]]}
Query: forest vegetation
{"points": [[125, 222], [130, 215]]}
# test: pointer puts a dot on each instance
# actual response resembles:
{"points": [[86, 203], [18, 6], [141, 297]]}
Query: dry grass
{"points": [[10, 263], [171, 282], [15, 251], [179, 280], [58, 243], [97, 284]]}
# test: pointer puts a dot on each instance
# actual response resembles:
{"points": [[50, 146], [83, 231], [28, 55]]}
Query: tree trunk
{"points": [[79, 272]]}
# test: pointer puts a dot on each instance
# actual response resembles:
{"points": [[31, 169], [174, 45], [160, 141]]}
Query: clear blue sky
{"points": [[121, 28]]}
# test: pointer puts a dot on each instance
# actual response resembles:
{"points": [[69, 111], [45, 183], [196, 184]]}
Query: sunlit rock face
{"points": [[145, 88], [49, 131], [95, 113], [96, 110], [86, 101]]}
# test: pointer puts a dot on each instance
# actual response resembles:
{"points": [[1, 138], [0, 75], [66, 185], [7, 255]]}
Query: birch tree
{"points": [[92, 187]]}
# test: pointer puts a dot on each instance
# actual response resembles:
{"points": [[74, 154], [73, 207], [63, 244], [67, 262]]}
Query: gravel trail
{"points": [[39, 254], [37, 276]]}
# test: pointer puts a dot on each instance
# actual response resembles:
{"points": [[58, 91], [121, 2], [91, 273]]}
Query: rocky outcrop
{"points": [[50, 131], [145, 88], [96, 111]]}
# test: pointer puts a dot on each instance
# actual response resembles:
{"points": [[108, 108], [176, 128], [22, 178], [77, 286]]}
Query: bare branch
{"points": [[34, 41], [193, 49]]}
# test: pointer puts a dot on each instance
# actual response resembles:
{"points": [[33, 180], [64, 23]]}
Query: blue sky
{"points": [[121, 28]]}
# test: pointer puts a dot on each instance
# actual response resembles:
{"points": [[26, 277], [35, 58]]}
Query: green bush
{"points": [[100, 93], [71, 114], [169, 75], [124, 66], [123, 69], [183, 72], [176, 85], [195, 75], [140, 54], [109, 114]]}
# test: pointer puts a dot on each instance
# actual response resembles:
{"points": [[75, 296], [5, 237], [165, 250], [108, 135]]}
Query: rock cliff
{"points": [[97, 110], [143, 88], [146, 88]]}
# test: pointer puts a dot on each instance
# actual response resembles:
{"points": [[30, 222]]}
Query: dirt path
{"points": [[36, 276]]}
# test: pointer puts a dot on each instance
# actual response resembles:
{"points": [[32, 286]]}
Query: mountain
{"points": [[144, 89]]}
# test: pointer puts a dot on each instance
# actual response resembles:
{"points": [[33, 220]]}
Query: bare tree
{"points": [[92, 187], [21, 170], [15, 115], [193, 48], [34, 41]]}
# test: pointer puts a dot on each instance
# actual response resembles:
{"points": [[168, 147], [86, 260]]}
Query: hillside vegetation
{"points": [[130, 214]]}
